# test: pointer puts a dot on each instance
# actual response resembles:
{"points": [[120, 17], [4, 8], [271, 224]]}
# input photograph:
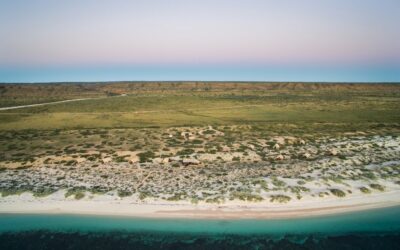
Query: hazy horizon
{"points": [[254, 40]]}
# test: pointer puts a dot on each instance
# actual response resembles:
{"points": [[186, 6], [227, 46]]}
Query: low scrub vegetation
{"points": [[377, 187], [280, 198], [337, 192], [365, 190]]}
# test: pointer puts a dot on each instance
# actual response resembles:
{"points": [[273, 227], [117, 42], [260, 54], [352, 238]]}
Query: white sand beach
{"points": [[114, 206]]}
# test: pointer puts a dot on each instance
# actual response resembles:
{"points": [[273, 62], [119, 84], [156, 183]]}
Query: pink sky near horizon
{"points": [[199, 32]]}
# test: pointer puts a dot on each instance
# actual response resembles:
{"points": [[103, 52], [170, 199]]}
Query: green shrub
{"points": [[209, 132], [77, 192], [301, 182], [365, 190], [278, 183], [120, 159], [263, 184], [146, 156], [298, 189], [124, 193], [197, 141], [246, 196], [337, 192], [43, 192], [79, 195], [143, 195], [377, 187], [12, 191], [280, 198], [216, 200], [176, 197], [186, 151]]}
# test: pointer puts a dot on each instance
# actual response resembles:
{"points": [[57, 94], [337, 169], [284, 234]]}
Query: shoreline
{"points": [[232, 210]]}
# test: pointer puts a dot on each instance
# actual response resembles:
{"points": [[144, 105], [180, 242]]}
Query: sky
{"points": [[233, 40]]}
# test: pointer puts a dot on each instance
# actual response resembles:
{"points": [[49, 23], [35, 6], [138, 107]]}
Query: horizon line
{"points": [[204, 81]]}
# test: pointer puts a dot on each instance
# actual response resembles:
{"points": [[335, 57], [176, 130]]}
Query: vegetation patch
{"points": [[43, 192], [146, 156], [124, 193], [337, 192], [186, 151], [365, 190], [246, 196], [280, 198], [377, 187], [77, 192], [12, 191]]}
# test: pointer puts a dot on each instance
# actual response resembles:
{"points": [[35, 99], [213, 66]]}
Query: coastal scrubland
{"points": [[201, 142], [144, 105]]}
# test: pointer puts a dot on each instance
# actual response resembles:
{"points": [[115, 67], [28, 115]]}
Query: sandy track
{"points": [[45, 103], [57, 102]]}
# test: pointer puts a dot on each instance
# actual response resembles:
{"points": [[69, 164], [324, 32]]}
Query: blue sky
{"points": [[254, 40]]}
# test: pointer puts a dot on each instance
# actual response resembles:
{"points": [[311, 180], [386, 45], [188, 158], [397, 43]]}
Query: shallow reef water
{"points": [[125, 240], [372, 229]]}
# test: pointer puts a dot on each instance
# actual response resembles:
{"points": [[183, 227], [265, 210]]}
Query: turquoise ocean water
{"points": [[378, 228]]}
